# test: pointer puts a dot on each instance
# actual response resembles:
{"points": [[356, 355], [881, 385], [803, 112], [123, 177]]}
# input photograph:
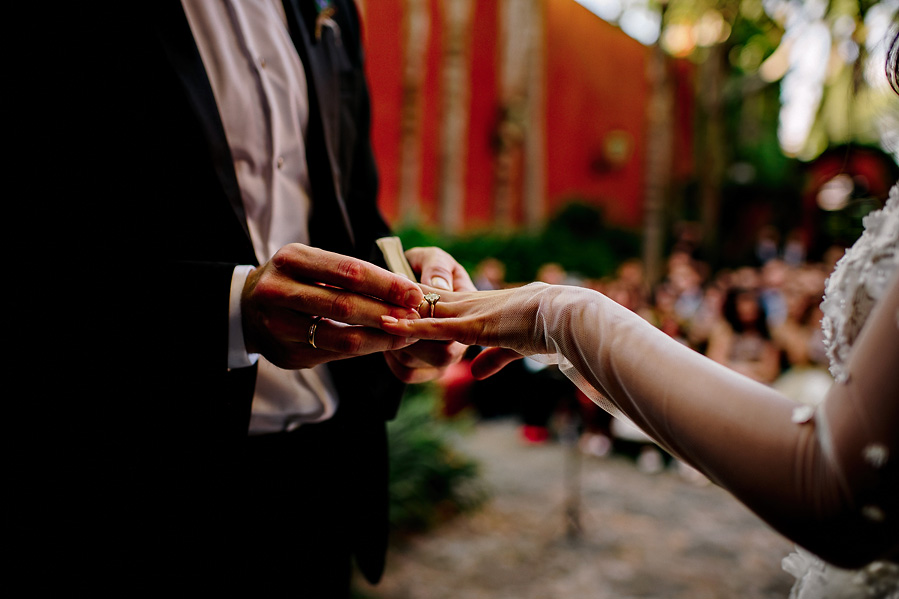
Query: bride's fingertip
{"points": [[388, 319]]}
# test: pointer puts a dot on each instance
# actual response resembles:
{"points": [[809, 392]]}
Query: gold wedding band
{"points": [[310, 336], [432, 299]]}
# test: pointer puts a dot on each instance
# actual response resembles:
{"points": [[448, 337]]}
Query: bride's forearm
{"points": [[808, 475], [669, 390], [740, 433]]}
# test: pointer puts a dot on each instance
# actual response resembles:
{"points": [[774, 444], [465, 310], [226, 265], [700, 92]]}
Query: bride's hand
{"points": [[472, 318], [492, 360], [469, 317]]}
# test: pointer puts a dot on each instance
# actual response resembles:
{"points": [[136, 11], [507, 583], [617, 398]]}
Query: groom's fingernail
{"points": [[413, 298], [440, 283]]}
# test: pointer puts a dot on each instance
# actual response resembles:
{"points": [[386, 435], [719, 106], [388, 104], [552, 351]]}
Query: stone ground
{"points": [[643, 536]]}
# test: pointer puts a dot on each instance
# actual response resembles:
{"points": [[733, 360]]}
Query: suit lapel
{"points": [[177, 39], [320, 61], [323, 79]]}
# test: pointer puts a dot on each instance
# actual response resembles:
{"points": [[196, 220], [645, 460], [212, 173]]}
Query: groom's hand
{"points": [[428, 360], [282, 297]]}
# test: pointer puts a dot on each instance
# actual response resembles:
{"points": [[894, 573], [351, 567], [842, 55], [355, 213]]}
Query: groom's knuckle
{"points": [[350, 342]]}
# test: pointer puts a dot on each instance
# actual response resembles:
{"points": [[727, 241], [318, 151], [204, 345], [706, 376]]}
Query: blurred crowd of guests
{"points": [[762, 320]]}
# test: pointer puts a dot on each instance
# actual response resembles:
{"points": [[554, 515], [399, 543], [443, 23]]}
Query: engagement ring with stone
{"points": [[432, 298]]}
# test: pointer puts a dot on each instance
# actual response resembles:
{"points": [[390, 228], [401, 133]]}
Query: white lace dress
{"points": [[858, 282]]}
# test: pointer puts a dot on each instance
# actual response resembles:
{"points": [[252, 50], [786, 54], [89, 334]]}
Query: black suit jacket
{"points": [[153, 239], [199, 189]]}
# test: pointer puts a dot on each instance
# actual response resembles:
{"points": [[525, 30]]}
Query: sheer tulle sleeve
{"points": [[826, 479]]}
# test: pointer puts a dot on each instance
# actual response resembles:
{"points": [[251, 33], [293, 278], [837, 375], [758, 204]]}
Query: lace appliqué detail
{"points": [[859, 280], [818, 580], [876, 454], [803, 414]]}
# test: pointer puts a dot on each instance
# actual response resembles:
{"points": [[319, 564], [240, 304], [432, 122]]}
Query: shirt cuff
{"points": [[237, 351]]}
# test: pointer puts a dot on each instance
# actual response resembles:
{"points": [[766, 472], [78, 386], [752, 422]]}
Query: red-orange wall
{"points": [[596, 84], [595, 78], [430, 109], [382, 39], [385, 50], [483, 107]]}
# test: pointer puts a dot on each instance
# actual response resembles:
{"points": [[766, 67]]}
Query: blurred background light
{"points": [[635, 17], [608, 10], [835, 194]]}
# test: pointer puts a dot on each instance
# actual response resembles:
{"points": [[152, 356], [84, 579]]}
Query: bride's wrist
{"points": [[520, 326]]}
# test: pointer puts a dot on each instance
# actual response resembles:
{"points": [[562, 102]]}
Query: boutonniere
{"points": [[325, 11]]}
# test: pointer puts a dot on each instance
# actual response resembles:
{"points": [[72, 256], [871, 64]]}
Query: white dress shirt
{"points": [[260, 89]]}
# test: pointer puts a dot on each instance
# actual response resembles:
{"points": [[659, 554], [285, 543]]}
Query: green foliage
{"points": [[429, 480], [754, 37], [582, 243], [577, 238]]}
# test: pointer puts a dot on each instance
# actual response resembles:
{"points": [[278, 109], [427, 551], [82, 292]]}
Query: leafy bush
{"points": [[429, 480], [576, 237]]}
